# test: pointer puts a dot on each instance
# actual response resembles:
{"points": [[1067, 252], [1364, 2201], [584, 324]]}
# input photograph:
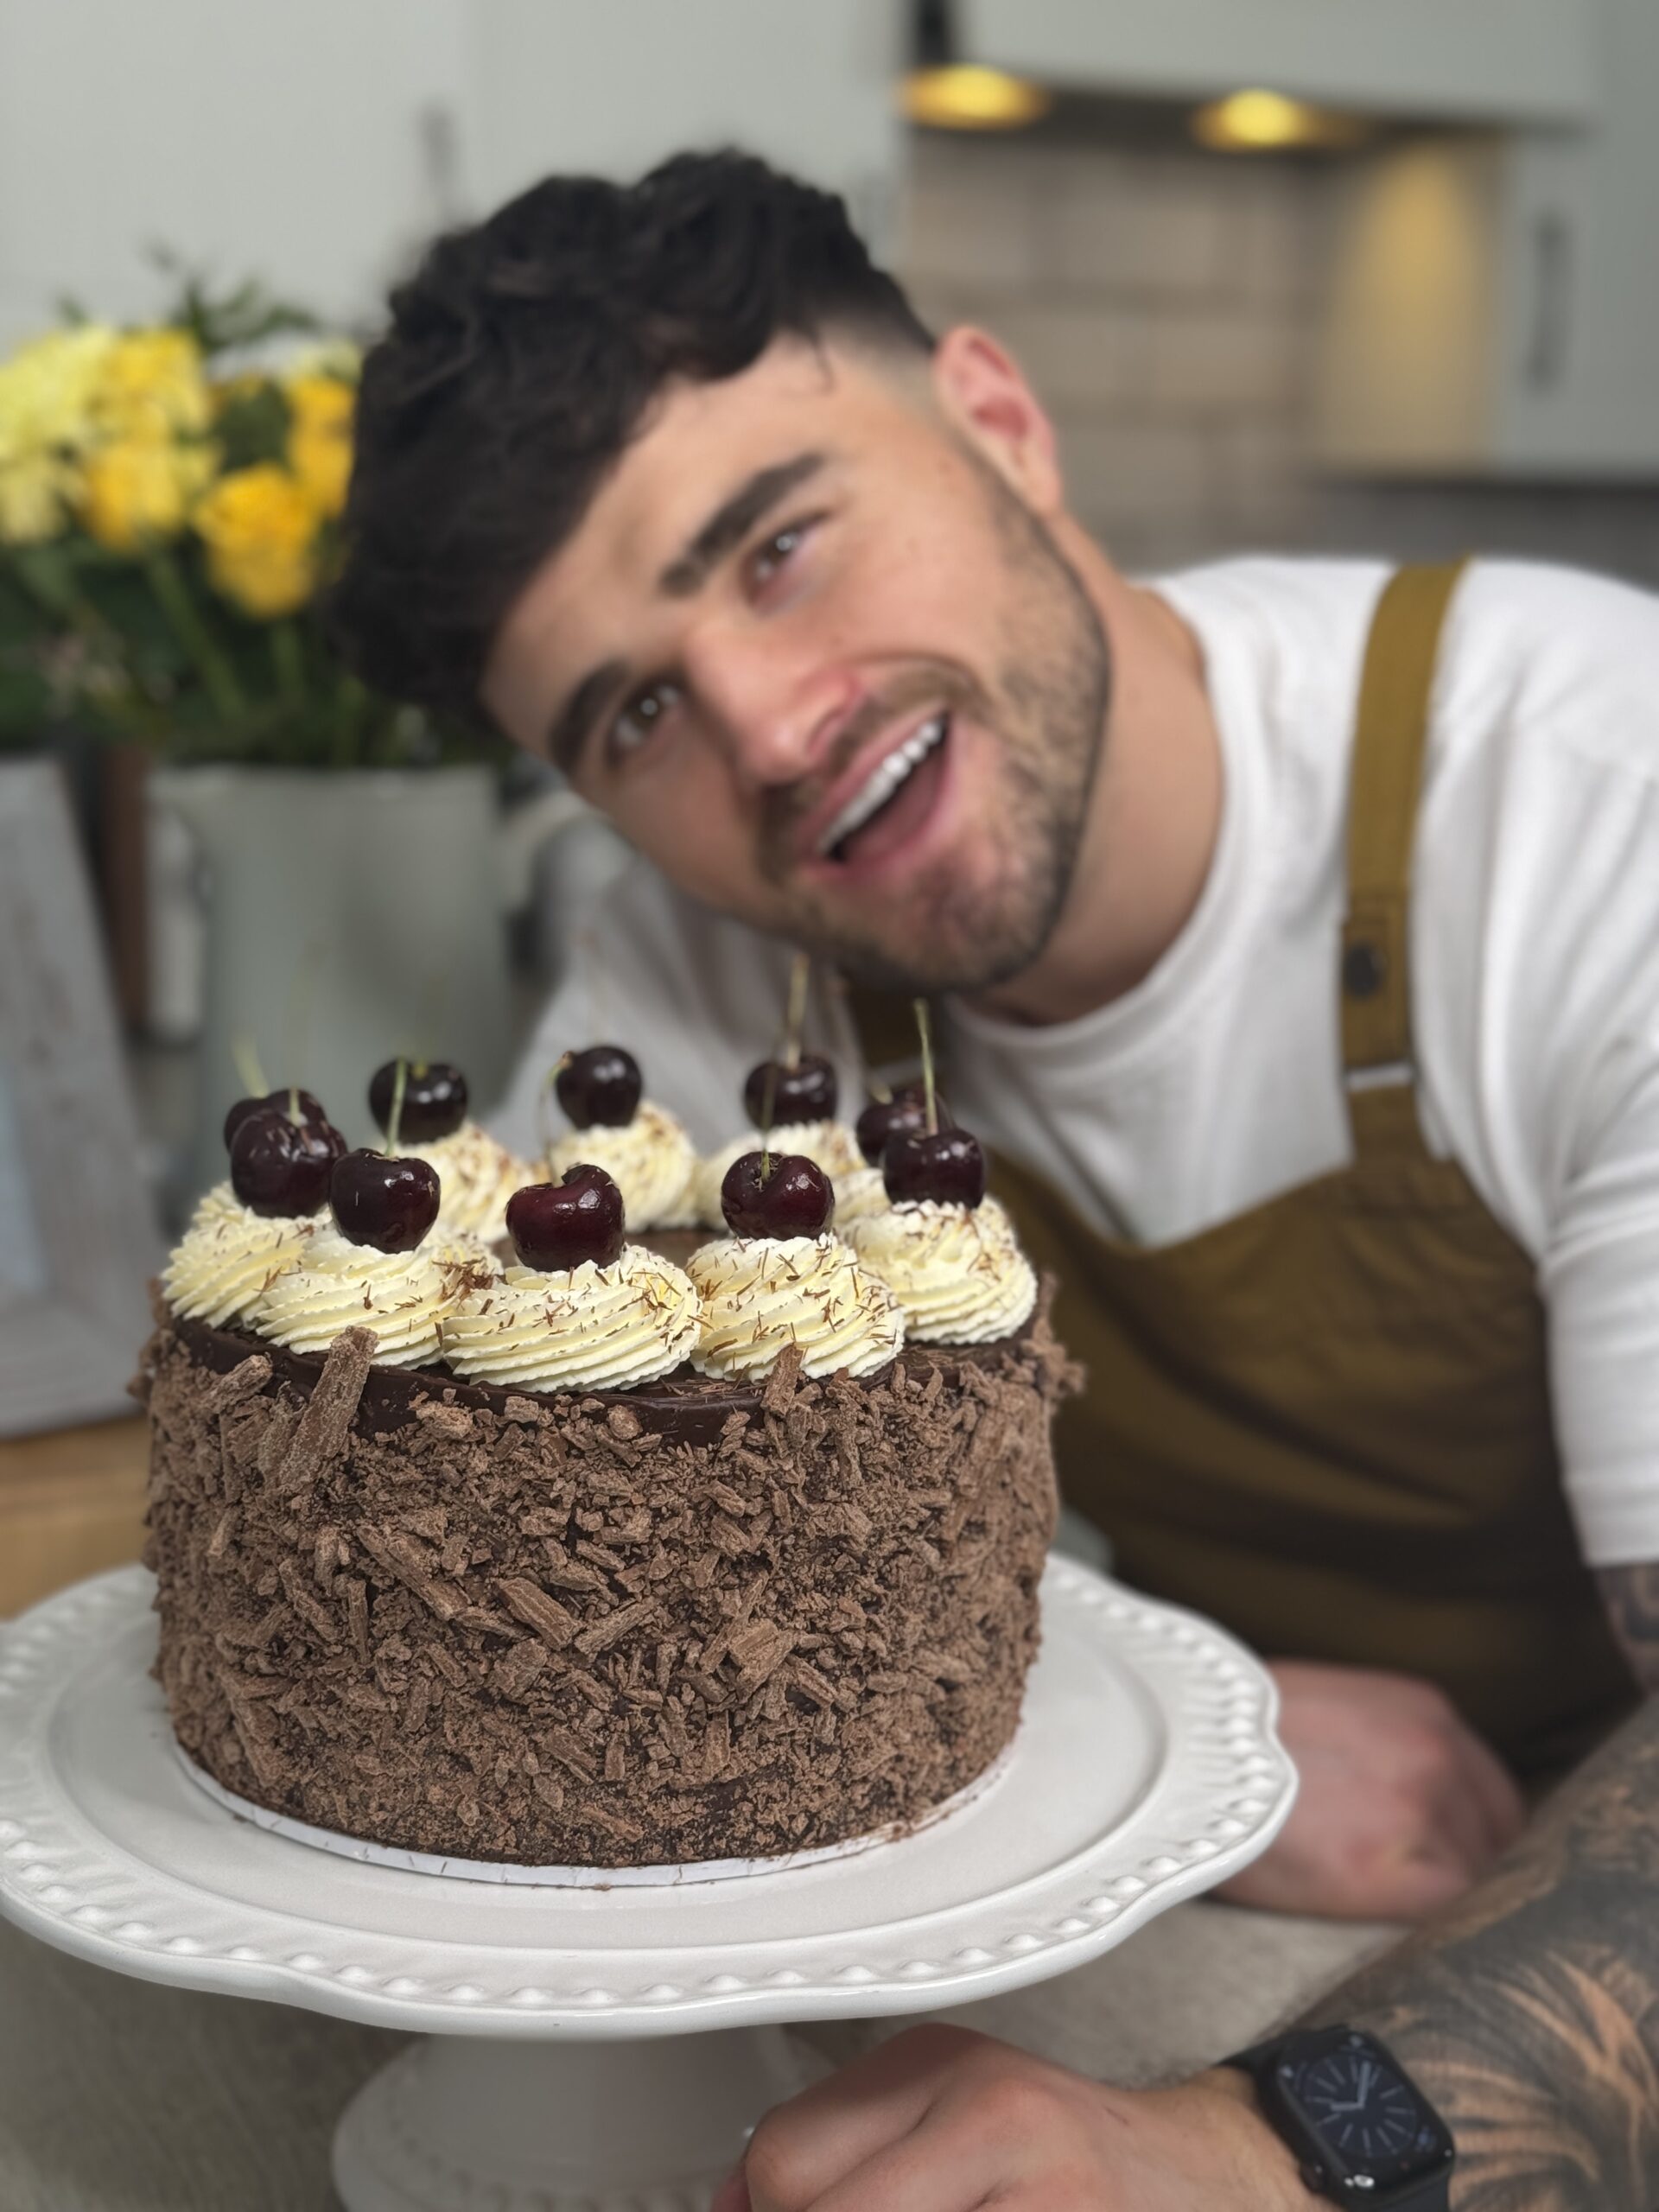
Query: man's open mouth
{"points": [[894, 800]]}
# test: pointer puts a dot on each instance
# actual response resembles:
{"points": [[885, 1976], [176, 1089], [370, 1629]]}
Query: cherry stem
{"points": [[923, 1027], [768, 1107], [800, 977], [542, 1121], [395, 1119], [881, 1092], [294, 1104], [248, 1073]]}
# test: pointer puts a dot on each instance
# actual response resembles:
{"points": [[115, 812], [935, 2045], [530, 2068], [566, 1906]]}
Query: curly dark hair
{"points": [[522, 356]]}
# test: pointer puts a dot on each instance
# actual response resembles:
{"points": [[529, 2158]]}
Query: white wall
{"points": [[296, 140], [284, 141], [613, 85]]}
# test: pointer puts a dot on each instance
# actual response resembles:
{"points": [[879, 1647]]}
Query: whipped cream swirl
{"points": [[956, 1270], [761, 1293], [858, 1196], [650, 1159], [587, 1328], [229, 1255], [477, 1175], [830, 1145], [402, 1296]]}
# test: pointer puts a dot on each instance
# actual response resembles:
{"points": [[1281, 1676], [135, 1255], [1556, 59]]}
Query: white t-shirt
{"points": [[1216, 1083]]}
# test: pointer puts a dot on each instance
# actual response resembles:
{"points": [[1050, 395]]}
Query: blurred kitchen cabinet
{"points": [[1494, 301], [1509, 61]]}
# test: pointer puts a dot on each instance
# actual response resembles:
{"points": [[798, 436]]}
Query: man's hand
{"points": [[1401, 1807], [941, 2120]]}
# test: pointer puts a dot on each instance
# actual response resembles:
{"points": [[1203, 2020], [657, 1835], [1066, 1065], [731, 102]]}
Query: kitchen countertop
{"points": [[70, 1503]]}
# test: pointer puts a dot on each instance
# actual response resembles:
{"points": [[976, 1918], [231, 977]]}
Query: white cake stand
{"points": [[567, 2062]]}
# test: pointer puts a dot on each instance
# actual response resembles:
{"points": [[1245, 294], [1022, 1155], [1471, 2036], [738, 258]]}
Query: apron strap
{"points": [[1387, 764]]}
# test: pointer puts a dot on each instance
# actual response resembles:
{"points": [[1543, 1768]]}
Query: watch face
{"points": [[1364, 2109]]}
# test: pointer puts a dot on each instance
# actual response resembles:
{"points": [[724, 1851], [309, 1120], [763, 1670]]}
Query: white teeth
{"points": [[882, 782]]}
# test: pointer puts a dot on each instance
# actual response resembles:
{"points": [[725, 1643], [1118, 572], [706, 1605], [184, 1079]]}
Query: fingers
{"points": [[995, 2124], [939, 2166], [1505, 1807], [804, 2148]]}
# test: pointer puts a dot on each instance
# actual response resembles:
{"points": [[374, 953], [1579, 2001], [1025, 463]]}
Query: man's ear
{"points": [[985, 396]]}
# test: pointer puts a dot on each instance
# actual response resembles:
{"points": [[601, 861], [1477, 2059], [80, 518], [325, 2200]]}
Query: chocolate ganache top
{"points": [[684, 1407]]}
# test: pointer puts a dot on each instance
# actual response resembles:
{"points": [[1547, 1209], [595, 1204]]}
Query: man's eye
{"points": [[777, 551], [642, 717]]}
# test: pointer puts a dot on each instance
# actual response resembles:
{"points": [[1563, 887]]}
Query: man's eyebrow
{"points": [[571, 725], [732, 521]]}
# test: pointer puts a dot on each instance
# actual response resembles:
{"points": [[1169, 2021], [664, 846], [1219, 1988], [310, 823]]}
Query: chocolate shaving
{"points": [[326, 1422], [243, 1381], [512, 1675], [454, 1421], [400, 1555], [528, 1602], [616, 1625], [780, 1383]]}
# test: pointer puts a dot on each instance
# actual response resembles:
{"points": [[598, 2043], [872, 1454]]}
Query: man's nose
{"points": [[776, 711]]}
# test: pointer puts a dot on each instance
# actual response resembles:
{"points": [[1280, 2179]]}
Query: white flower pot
{"points": [[353, 915]]}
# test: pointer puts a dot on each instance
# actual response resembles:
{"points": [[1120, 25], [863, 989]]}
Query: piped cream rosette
{"points": [[402, 1296], [651, 1159], [956, 1270], [830, 1145], [585, 1328], [478, 1175], [761, 1293], [229, 1255]]}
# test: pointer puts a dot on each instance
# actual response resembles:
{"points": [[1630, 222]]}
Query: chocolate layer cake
{"points": [[695, 1620]]}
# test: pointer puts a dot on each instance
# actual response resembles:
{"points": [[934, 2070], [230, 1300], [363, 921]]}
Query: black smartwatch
{"points": [[1361, 2130]]}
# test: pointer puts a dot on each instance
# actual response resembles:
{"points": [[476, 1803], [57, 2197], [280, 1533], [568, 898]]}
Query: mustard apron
{"points": [[1326, 1423]]}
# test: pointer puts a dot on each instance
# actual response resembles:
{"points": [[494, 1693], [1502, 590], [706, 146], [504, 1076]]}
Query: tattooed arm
{"points": [[1531, 2011]]}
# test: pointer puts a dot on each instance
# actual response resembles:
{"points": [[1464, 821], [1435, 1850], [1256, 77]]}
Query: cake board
{"points": [[606, 2050]]}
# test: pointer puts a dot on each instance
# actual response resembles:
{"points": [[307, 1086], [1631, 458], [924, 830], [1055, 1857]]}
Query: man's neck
{"points": [[1154, 814]]}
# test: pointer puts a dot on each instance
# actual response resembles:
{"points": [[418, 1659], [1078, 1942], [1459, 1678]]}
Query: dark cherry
{"points": [[907, 1110], [795, 1198], [310, 1110], [599, 1088], [385, 1201], [555, 1226], [435, 1100], [279, 1167], [805, 1092], [948, 1167]]}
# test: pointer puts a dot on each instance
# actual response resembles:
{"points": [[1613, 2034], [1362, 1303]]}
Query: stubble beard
{"points": [[1047, 718]]}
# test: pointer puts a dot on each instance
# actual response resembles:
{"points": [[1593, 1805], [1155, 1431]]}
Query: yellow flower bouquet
{"points": [[169, 515]]}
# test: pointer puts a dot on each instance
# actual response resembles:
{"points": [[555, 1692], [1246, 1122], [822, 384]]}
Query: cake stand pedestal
{"points": [[607, 2049]]}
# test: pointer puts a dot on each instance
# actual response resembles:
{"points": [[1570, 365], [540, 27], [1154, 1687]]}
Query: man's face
{"points": [[816, 658]]}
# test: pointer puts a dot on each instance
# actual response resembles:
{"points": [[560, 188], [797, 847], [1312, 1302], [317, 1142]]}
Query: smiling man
{"points": [[1295, 931]]}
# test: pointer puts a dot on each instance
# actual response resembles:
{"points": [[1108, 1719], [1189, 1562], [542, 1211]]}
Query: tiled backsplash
{"points": [[1165, 303]]}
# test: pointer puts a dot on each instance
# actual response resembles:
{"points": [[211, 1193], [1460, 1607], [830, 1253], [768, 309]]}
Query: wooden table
{"points": [[71, 1503]]}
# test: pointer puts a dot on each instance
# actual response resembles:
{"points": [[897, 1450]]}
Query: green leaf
{"points": [[253, 426]]}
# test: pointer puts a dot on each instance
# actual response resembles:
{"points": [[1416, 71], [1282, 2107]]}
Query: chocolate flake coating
{"points": [[663, 1625]]}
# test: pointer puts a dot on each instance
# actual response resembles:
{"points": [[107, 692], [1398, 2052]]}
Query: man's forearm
{"points": [[1530, 2012]]}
